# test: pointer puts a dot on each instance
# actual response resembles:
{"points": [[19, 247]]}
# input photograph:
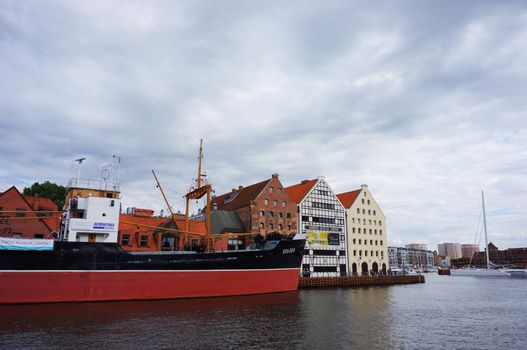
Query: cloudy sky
{"points": [[424, 101]]}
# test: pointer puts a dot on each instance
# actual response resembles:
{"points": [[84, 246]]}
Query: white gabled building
{"points": [[321, 219], [366, 227]]}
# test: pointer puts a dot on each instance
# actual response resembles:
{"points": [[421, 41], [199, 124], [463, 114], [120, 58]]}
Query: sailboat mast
{"points": [[485, 227]]}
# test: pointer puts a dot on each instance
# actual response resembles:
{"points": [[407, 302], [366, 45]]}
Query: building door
{"points": [[354, 269], [364, 267], [92, 238]]}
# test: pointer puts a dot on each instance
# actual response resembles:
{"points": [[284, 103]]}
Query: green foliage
{"points": [[49, 190]]}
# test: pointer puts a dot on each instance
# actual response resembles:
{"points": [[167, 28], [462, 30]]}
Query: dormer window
{"points": [[271, 190]]}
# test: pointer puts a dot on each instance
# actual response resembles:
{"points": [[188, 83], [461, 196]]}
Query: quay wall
{"points": [[321, 282]]}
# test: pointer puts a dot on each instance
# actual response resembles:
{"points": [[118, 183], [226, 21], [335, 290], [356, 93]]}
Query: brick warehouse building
{"points": [[24, 222], [509, 257], [264, 207]]}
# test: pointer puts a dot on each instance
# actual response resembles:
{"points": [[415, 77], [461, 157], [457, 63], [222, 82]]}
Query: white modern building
{"points": [[321, 220], [408, 258], [366, 226]]}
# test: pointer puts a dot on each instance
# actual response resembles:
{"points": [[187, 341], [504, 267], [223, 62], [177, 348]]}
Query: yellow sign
{"points": [[317, 237]]}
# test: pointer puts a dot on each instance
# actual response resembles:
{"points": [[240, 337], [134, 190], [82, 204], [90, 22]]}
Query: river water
{"points": [[444, 313]]}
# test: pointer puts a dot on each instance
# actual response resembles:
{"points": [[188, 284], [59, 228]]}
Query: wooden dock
{"points": [[324, 282]]}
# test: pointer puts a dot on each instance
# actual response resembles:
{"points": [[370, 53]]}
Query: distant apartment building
{"points": [[452, 250], [366, 226], [468, 250], [264, 207], [419, 246], [321, 218], [406, 258]]}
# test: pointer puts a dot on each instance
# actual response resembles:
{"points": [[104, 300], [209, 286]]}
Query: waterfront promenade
{"points": [[322, 282]]}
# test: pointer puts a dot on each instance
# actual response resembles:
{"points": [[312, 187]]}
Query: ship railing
{"points": [[94, 184]]}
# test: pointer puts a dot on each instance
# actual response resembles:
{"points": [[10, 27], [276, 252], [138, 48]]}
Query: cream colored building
{"points": [[366, 224]]}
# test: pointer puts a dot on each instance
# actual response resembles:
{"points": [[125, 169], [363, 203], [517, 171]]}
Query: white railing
{"points": [[93, 184]]}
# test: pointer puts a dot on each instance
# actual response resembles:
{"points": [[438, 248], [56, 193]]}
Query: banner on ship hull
{"points": [[25, 244]]}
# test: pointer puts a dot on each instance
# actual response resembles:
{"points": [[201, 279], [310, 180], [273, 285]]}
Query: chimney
{"points": [[274, 175], [364, 186], [36, 203], [233, 190], [240, 188]]}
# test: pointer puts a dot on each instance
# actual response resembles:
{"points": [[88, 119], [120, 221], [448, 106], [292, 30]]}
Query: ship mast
{"points": [[198, 192], [485, 227]]}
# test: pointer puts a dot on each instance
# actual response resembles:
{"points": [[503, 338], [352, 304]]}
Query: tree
{"points": [[49, 190]]}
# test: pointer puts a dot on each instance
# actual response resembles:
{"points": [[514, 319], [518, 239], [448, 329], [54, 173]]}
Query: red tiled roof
{"points": [[347, 198], [43, 204], [299, 191], [241, 198]]}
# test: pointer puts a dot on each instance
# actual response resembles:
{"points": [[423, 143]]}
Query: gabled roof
{"points": [[239, 198], [299, 191], [13, 188], [222, 221], [348, 198]]}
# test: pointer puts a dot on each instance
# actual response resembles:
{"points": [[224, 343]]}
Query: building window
{"points": [[362, 200], [365, 253], [360, 252], [358, 210], [364, 222], [271, 214], [371, 241], [363, 211], [375, 231], [261, 225], [370, 231], [354, 253], [381, 242], [289, 215], [20, 212], [275, 203], [271, 190], [279, 190], [374, 213], [380, 232], [266, 201], [376, 242], [353, 220], [289, 227], [353, 229], [382, 253], [284, 204], [144, 241], [280, 226], [376, 253], [368, 202], [262, 213], [369, 212], [125, 240], [360, 241], [353, 240], [281, 215], [380, 222], [359, 229], [270, 226]]}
